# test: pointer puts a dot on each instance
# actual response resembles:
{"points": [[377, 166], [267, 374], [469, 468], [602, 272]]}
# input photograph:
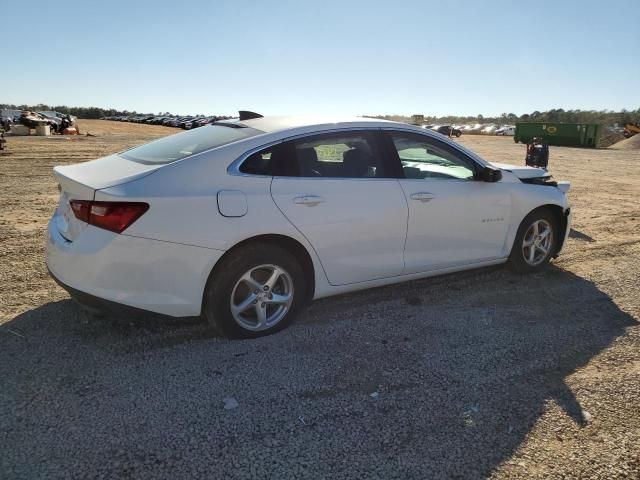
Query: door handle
{"points": [[309, 200], [422, 196]]}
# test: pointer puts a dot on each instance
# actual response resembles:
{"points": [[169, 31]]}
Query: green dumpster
{"points": [[564, 134]]}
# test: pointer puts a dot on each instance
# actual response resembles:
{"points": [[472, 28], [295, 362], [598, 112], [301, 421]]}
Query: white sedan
{"points": [[245, 221], [506, 131]]}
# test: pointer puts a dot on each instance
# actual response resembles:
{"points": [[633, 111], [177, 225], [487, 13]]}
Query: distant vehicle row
{"points": [[478, 128], [189, 122], [185, 122]]}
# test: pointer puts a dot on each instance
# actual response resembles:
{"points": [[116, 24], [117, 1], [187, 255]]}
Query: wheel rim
{"points": [[537, 242], [262, 297]]}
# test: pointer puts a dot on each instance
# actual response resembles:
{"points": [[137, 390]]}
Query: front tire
{"points": [[255, 291], [535, 242]]}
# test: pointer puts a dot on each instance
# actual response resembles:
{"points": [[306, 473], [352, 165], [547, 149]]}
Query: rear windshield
{"points": [[176, 147]]}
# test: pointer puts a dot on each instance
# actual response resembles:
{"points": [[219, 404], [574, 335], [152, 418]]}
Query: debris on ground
{"points": [[44, 124]]}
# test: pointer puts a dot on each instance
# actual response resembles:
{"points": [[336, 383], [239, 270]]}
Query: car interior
{"points": [[355, 163], [352, 157], [334, 158]]}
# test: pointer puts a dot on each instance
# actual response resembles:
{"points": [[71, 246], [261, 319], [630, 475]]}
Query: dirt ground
{"points": [[549, 365]]}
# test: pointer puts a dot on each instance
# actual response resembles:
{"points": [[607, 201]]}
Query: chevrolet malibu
{"points": [[245, 221]]}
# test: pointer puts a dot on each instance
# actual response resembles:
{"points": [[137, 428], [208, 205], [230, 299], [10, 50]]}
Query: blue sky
{"points": [[324, 56]]}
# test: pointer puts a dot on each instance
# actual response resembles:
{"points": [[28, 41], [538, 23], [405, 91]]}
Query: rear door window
{"points": [[333, 155], [339, 155]]}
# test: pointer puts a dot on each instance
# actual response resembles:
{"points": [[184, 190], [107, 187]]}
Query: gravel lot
{"points": [[472, 375]]}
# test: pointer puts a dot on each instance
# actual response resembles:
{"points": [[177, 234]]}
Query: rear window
{"points": [[182, 145]]}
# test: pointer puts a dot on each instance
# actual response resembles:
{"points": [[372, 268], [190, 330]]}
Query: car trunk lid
{"points": [[80, 182]]}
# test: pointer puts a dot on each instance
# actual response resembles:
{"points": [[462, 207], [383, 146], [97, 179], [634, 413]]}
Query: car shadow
{"points": [[442, 377]]}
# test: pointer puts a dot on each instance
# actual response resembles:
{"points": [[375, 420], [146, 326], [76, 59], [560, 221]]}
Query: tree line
{"points": [[80, 112], [604, 117]]}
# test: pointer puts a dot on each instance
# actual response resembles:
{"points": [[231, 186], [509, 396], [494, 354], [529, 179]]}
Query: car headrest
{"points": [[356, 163], [307, 156], [307, 159]]}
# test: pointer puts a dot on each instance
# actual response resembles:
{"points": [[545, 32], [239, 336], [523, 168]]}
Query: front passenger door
{"points": [[454, 219]]}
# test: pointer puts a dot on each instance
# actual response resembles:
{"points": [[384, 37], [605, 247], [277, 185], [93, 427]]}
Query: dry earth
{"points": [[479, 374]]}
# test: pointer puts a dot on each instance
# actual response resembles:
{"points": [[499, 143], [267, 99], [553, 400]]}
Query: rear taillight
{"points": [[113, 216]]}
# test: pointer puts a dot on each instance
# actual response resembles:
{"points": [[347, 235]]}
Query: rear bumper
{"points": [[104, 269], [101, 306]]}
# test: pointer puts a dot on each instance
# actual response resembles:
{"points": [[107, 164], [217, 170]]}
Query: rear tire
{"points": [[255, 291], [535, 242]]}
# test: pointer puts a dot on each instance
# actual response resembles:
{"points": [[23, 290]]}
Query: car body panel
{"points": [[357, 228], [527, 197], [462, 222], [328, 290], [522, 171], [232, 203], [104, 172], [161, 277]]}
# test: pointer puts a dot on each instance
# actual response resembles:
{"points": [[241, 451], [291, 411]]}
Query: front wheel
{"points": [[535, 242], [255, 292]]}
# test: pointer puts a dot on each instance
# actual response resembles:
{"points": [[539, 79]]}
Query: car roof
{"points": [[274, 124]]}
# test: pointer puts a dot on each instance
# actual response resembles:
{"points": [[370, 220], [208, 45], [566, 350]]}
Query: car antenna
{"points": [[247, 115]]}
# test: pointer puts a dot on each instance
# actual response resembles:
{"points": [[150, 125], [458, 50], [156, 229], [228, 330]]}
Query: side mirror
{"points": [[490, 174]]}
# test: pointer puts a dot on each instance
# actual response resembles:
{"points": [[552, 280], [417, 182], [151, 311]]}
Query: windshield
{"points": [[182, 145]]}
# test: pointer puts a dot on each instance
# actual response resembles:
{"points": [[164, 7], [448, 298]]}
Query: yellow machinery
{"points": [[630, 129]]}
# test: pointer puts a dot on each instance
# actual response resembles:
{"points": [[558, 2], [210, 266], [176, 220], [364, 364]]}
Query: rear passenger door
{"points": [[334, 189]]}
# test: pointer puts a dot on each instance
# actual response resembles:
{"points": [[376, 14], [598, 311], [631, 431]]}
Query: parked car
{"points": [[506, 130], [187, 120], [489, 129], [182, 120], [473, 128], [246, 221], [8, 117], [60, 115], [156, 120], [448, 130], [59, 121], [205, 121]]}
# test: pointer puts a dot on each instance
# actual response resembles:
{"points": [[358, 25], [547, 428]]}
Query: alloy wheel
{"points": [[537, 243], [262, 297]]}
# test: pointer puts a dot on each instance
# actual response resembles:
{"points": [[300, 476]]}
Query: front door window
{"points": [[423, 159]]}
